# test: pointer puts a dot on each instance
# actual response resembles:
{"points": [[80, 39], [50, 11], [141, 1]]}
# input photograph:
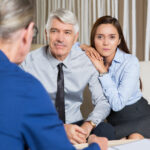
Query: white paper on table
{"points": [[135, 145], [111, 148]]}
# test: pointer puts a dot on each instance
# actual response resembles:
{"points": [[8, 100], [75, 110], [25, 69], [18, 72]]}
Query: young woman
{"points": [[119, 77]]}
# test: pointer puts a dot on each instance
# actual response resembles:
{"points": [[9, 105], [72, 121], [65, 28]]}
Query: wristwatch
{"points": [[102, 74], [92, 123]]}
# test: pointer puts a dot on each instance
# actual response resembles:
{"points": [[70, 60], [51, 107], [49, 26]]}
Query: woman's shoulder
{"points": [[129, 58]]}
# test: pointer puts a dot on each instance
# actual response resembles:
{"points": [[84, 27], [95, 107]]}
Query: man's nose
{"points": [[60, 37]]}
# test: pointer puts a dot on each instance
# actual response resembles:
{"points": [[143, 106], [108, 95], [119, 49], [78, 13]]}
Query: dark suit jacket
{"points": [[27, 116]]}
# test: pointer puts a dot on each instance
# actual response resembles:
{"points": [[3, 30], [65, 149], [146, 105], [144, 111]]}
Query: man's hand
{"points": [[76, 134], [87, 127], [101, 141]]}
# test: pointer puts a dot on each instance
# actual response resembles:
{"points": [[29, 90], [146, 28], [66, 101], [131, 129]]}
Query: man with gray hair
{"points": [[64, 57]]}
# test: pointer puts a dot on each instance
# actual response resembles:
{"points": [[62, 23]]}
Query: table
{"points": [[110, 143]]}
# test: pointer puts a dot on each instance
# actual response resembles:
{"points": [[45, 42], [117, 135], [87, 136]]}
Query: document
{"points": [[135, 145], [143, 144]]}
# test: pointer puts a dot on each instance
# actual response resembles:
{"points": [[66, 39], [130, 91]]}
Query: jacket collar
{"points": [[3, 57]]}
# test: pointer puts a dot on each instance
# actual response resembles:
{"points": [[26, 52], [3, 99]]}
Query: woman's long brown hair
{"points": [[111, 20]]}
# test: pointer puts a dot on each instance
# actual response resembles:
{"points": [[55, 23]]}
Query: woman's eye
{"points": [[99, 36], [112, 37]]}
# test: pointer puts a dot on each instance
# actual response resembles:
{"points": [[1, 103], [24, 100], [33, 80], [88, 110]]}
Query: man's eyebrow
{"points": [[64, 29], [68, 30], [53, 28]]}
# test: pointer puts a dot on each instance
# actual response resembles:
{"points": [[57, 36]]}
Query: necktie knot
{"points": [[59, 66]]}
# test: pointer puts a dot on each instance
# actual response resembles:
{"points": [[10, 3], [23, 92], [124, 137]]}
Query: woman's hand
{"points": [[89, 49], [95, 57]]}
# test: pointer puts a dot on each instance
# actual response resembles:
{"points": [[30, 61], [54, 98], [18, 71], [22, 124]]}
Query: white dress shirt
{"points": [[78, 72]]}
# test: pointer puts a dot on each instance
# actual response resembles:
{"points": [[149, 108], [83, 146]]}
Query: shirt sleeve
{"points": [[101, 105], [119, 94]]}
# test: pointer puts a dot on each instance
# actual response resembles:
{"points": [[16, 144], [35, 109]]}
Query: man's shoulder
{"points": [[37, 53], [35, 57], [25, 78], [78, 53], [79, 57]]}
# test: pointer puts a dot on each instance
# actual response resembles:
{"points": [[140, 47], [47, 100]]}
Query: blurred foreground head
{"points": [[16, 28], [14, 15]]}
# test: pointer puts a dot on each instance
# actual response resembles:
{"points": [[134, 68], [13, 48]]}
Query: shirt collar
{"points": [[54, 62], [67, 61], [119, 56]]}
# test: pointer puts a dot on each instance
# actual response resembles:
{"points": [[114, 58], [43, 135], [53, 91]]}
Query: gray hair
{"points": [[14, 15], [66, 16]]}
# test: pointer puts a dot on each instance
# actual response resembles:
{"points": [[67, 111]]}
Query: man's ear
{"points": [[76, 37], [26, 37], [46, 35], [28, 33]]}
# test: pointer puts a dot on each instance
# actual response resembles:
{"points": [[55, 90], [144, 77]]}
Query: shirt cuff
{"points": [[95, 121], [105, 81]]}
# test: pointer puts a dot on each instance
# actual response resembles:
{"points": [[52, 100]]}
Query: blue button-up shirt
{"points": [[78, 72], [121, 85]]}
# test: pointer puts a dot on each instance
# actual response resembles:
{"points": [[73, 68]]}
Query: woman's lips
{"points": [[106, 49]]}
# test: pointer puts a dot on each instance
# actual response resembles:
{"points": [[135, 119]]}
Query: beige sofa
{"points": [[145, 77]]}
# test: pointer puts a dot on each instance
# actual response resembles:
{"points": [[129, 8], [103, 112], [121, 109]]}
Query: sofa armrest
{"points": [[145, 77]]}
